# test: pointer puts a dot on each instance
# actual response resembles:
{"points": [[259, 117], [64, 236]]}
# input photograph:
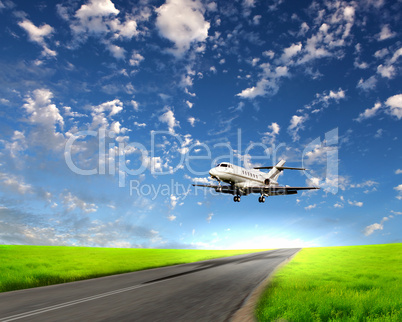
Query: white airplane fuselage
{"points": [[239, 176]]}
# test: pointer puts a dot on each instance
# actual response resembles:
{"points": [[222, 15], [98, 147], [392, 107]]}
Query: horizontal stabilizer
{"points": [[281, 168]]}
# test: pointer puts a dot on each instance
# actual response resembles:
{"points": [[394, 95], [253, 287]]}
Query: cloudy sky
{"points": [[110, 110]]}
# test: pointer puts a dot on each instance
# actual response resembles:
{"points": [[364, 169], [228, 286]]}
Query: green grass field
{"points": [[31, 266], [355, 283]]}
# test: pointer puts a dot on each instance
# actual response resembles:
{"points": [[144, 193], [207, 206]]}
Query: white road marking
{"points": [[62, 305]]}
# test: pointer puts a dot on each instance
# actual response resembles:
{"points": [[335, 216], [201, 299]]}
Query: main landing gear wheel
{"points": [[236, 198], [261, 199]]}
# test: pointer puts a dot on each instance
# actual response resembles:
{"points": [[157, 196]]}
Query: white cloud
{"points": [[303, 29], [376, 226], [372, 228], [398, 171], [113, 107], [268, 84], [36, 34], [249, 3], [337, 20], [331, 183], [171, 217], [140, 124], [135, 105], [124, 30], [355, 203], [169, 119], [99, 18], [201, 180], [385, 33], [269, 54], [45, 116], [116, 51], [296, 124], [17, 144], [368, 84], [395, 104], [252, 92], [68, 112], [183, 23], [387, 71], [362, 65], [13, 183], [317, 154], [184, 145], [191, 120], [367, 183], [269, 137], [209, 217], [257, 19], [290, 52], [324, 99], [116, 127], [136, 59], [395, 56], [94, 16], [72, 202], [41, 109], [370, 112], [189, 104], [338, 205], [96, 8], [399, 190], [310, 207], [381, 53], [173, 201]]}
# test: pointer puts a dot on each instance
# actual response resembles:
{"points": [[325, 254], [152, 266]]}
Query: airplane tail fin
{"points": [[275, 172]]}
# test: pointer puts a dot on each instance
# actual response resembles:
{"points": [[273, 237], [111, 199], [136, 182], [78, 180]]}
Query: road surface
{"points": [[210, 290]]}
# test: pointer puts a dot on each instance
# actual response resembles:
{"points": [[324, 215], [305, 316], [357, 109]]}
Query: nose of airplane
{"points": [[212, 172]]}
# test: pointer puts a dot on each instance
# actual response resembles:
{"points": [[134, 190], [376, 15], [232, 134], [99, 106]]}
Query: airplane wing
{"points": [[268, 191], [278, 190], [222, 188], [279, 168], [206, 185]]}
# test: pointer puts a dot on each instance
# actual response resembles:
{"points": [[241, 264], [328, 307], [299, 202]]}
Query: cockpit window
{"points": [[225, 165]]}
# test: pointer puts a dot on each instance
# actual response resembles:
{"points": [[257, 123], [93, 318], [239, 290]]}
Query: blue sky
{"points": [[110, 110]]}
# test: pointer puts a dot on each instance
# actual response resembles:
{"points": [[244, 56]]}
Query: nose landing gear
{"points": [[261, 199], [236, 198]]}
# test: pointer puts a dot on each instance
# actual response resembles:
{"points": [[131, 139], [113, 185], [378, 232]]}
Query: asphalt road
{"points": [[210, 290]]}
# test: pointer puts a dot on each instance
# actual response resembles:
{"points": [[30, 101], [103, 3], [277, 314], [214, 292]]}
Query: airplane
{"points": [[244, 181]]}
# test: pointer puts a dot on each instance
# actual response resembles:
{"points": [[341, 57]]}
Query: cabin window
{"points": [[224, 165]]}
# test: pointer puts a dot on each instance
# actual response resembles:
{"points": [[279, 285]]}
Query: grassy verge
{"points": [[31, 266], [355, 283]]}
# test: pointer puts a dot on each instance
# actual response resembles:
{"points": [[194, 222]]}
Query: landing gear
{"points": [[261, 199], [236, 198]]}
